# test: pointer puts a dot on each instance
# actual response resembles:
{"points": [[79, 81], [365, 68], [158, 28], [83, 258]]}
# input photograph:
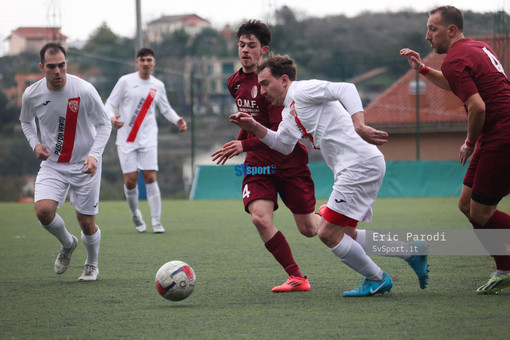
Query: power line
{"points": [[122, 62]]}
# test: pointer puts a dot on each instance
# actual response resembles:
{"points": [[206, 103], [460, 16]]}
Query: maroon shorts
{"points": [[488, 174], [296, 190]]}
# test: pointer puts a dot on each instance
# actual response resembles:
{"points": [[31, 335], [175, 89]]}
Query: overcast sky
{"points": [[79, 18]]}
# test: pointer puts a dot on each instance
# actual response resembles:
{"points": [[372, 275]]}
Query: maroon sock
{"points": [[280, 249], [499, 220]]}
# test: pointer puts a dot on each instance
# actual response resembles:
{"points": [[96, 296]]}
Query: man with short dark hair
{"points": [[290, 177], [74, 129], [321, 111], [472, 71], [132, 108]]}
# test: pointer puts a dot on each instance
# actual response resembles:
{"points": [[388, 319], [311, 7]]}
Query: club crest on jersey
{"points": [[254, 91], [74, 104]]}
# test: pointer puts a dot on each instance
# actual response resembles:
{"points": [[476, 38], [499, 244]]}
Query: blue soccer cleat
{"points": [[370, 287], [421, 268]]}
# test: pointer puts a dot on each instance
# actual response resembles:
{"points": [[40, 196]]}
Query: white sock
{"points": [[92, 243], [58, 229], [132, 199], [361, 238], [352, 254], [154, 200]]}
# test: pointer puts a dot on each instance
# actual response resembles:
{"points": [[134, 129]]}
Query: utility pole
{"points": [[139, 33], [418, 91]]}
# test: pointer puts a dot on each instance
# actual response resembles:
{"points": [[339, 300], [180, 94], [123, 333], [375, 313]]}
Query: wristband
{"points": [[424, 70], [469, 144]]}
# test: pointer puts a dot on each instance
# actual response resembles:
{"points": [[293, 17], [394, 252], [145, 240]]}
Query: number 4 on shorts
{"points": [[246, 191]]}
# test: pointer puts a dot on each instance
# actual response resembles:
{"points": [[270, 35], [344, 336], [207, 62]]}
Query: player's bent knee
{"points": [[308, 231], [464, 208], [45, 217], [261, 222], [325, 234], [480, 218], [45, 212]]}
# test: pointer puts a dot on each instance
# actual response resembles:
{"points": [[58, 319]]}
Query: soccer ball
{"points": [[175, 280]]}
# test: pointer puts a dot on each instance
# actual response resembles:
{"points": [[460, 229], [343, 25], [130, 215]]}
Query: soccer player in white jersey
{"points": [[74, 128], [327, 114], [132, 108]]}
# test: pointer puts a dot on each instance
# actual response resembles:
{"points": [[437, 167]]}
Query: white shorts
{"points": [[55, 180], [356, 187], [138, 159]]}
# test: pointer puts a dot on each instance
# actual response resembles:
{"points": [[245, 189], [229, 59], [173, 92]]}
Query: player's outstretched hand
{"points": [[413, 58], [229, 150], [243, 120]]}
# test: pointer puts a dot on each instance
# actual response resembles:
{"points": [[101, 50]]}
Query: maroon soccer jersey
{"points": [[245, 89], [291, 179], [472, 67]]}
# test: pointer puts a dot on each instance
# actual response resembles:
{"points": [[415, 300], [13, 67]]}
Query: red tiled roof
{"points": [[397, 106], [39, 33], [367, 75], [189, 19]]}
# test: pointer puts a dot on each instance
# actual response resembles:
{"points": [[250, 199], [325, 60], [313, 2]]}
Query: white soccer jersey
{"points": [[136, 100], [313, 110], [67, 120]]}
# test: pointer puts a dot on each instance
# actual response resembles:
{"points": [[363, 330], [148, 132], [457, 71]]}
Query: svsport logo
{"points": [[245, 169]]}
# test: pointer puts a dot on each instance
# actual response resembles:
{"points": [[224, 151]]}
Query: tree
{"points": [[112, 54], [9, 116], [209, 42], [174, 45]]}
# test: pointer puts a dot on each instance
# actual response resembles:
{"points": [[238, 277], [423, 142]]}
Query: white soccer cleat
{"points": [[64, 257], [495, 284], [157, 228], [90, 273], [138, 221]]}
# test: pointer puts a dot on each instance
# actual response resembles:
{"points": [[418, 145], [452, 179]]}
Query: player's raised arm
{"points": [[435, 76], [246, 122]]}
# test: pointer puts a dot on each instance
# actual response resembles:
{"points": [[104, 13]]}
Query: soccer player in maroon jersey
{"points": [[472, 71], [289, 176]]}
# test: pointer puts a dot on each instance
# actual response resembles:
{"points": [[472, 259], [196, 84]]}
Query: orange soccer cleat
{"points": [[293, 284]]}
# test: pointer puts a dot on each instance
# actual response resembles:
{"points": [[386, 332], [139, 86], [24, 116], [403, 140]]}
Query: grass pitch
{"points": [[235, 274]]}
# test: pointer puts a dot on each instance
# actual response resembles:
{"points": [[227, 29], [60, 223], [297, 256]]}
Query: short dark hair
{"points": [[52, 48], [279, 65], [450, 15], [145, 51], [256, 28]]}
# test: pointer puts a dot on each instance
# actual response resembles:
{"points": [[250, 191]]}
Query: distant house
{"points": [[371, 84], [192, 24], [22, 82], [210, 82], [423, 120], [15, 94], [32, 39]]}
